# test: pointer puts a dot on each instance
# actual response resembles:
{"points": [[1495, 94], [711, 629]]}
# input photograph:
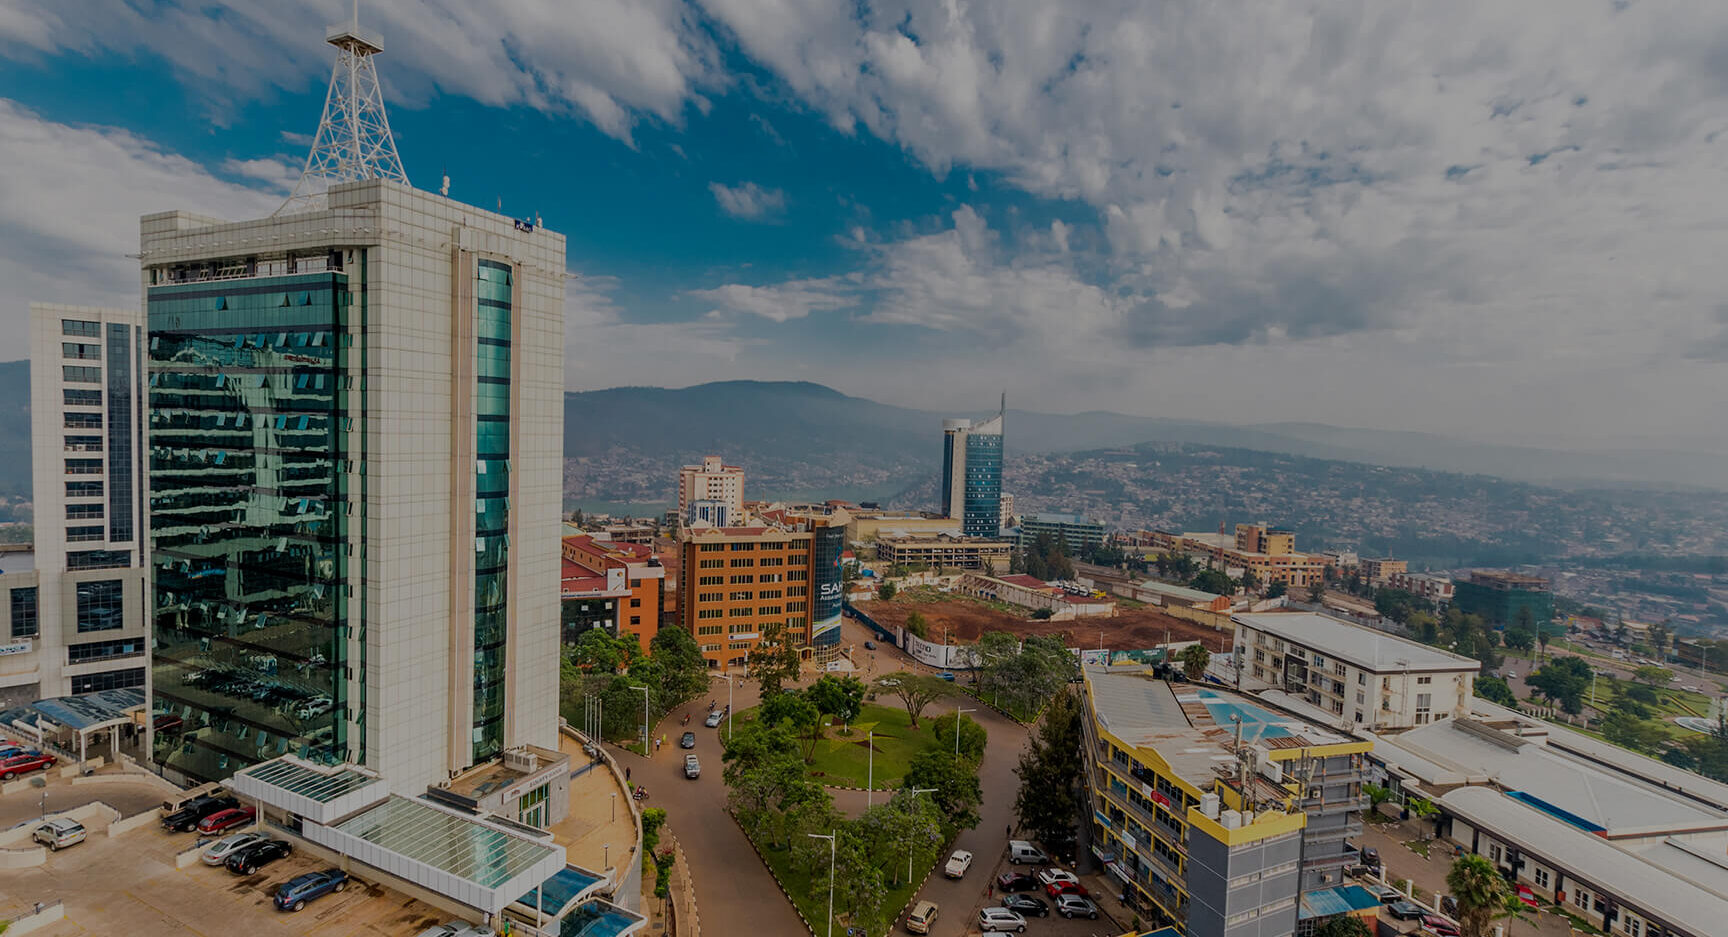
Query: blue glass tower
{"points": [[972, 475]]}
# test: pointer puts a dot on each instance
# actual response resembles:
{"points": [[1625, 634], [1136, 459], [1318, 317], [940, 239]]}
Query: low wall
{"points": [[628, 889], [36, 920], [135, 822], [27, 857], [96, 814], [1217, 621], [686, 922]]}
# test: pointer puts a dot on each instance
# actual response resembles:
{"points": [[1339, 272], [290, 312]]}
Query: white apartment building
{"points": [[356, 437], [714, 487], [1427, 585], [77, 623], [1363, 679]]}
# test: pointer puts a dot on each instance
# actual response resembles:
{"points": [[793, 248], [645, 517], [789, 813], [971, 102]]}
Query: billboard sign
{"points": [[15, 647], [829, 595]]}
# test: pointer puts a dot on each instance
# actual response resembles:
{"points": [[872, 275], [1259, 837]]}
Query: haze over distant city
{"points": [[1457, 218]]}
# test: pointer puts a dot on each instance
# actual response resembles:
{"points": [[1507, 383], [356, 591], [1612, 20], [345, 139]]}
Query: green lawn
{"points": [[813, 900], [842, 761]]}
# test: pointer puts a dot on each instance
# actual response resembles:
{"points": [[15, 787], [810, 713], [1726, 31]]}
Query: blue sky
{"points": [[1358, 213]]}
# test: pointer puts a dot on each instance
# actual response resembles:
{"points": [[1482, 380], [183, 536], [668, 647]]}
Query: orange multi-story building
{"points": [[644, 578], [734, 581]]}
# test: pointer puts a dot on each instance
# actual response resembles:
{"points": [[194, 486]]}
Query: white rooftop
{"points": [[1368, 648], [1466, 751], [1654, 892]]}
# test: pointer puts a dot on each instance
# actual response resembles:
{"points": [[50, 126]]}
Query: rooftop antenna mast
{"points": [[354, 140]]}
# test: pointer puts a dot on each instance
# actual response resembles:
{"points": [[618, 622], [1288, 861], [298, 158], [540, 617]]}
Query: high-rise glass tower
{"points": [[355, 442], [972, 474]]}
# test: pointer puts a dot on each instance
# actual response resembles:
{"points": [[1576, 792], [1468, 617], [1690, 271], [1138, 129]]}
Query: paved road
{"points": [[129, 795]]}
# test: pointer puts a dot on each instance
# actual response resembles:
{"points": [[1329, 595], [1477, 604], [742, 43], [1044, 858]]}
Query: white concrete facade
{"points": [[414, 258], [715, 482], [86, 437], [1366, 679]]}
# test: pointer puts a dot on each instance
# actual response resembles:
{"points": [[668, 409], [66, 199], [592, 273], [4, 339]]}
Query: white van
{"points": [[1020, 851]]}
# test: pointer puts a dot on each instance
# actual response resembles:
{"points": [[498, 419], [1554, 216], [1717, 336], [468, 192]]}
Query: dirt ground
{"points": [[966, 619]]}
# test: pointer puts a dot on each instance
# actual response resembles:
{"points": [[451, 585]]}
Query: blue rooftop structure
{"points": [[1257, 723], [566, 888]]}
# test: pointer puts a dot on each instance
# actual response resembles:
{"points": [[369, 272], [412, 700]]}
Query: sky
{"points": [[1497, 220]]}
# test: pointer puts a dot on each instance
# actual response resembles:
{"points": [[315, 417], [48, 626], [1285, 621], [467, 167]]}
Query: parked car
{"points": [[24, 763], [1439, 925], [714, 718], [7, 751], [1046, 876], [687, 740], [958, 863], [59, 833], [226, 819], [1370, 857], [1015, 881], [869, 645], [1076, 906], [219, 851], [991, 920], [1020, 851], [1405, 910], [187, 817], [293, 894], [257, 856], [922, 916], [1059, 888], [947, 675], [692, 767], [1449, 906], [458, 929], [1026, 905], [1386, 893]]}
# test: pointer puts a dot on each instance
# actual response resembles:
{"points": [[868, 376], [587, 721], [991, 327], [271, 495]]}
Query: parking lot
{"points": [[129, 884]]}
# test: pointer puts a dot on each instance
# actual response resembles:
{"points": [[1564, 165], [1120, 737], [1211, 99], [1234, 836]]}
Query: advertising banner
{"points": [[15, 647], [828, 595]]}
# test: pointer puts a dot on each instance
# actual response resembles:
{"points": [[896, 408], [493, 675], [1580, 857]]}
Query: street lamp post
{"points": [[614, 806], [832, 846], [728, 678], [645, 725], [957, 712], [914, 796]]}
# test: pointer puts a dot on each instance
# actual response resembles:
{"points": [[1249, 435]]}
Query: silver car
{"points": [[59, 833], [219, 851]]}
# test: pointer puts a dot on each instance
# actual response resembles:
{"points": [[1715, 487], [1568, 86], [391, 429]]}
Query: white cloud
{"points": [[781, 302], [613, 61], [70, 200], [748, 200], [602, 350]]}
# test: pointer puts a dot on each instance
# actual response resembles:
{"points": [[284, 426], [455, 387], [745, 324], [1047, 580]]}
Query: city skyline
{"points": [[1446, 236]]}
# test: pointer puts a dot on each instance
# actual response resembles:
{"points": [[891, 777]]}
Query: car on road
{"points": [[257, 856], [293, 894], [687, 740], [947, 675], [1058, 889], [1405, 910], [958, 863], [1371, 857], [59, 833], [714, 719], [692, 767], [1026, 905], [995, 920], [1439, 925], [922, 916], [458, 929], [1076, 906], [1015, 881], [186, 818], [226, 819], [24, 763], [869, 645], [219, 851]]}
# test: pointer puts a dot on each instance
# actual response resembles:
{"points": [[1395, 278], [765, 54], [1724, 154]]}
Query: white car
{"points": [[1000, 919], [714, 719], [1052, 876], [220, 850], [958, 863], [59, 833]]}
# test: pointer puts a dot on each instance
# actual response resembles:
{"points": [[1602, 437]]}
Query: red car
{"points": [[1440, 925], [217, 822], [1059, 887], [20, 764]]}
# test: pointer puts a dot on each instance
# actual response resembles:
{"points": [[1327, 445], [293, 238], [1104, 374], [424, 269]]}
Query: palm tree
{"points": [[1424, 809], [1542, 639], [1480, 892]]}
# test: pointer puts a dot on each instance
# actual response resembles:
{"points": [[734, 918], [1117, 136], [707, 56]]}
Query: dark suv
{"points": [[187, 817]]}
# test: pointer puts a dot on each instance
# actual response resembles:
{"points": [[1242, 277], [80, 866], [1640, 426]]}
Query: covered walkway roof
{"points": [[84, 713], [320, 793]]}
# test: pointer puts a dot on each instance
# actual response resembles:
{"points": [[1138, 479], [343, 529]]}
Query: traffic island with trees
{"points": [[879, 858]]}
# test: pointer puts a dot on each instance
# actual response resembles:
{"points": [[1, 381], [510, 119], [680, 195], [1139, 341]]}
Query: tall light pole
{"points": [[832, 846], [870, 776], [957, 712], [915, 792], [645, 751], [728, 678], [614, 806]]}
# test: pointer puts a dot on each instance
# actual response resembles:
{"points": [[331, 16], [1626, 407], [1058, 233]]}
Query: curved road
{"points": [[735, 895]]}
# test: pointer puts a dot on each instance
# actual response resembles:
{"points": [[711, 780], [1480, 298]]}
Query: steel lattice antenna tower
{"points": [[354, 140]]}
